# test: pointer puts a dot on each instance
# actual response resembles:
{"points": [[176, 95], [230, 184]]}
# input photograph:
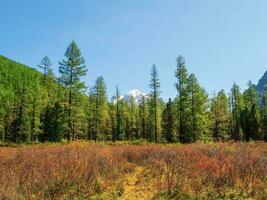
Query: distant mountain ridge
{"points": [[260, 87]]}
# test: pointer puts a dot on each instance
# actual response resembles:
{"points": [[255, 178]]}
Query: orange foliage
{"points": [[180, 172]]}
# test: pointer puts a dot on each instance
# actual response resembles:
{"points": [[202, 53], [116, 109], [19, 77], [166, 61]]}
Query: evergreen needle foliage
{"points": [[37, 106]]}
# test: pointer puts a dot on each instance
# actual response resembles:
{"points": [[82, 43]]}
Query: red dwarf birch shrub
{"points": [[85, 170]]}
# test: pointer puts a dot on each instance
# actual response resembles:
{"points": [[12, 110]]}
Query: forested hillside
{"points": [[37, 106], [26, 94]]}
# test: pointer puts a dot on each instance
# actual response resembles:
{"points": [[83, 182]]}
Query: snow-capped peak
{"points": [[136, 94]]}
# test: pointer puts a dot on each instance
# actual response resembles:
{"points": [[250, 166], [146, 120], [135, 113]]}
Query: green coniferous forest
{"points": [[37, 106]]}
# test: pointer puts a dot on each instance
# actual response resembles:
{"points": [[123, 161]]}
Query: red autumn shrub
{"points": [[84, 170]]}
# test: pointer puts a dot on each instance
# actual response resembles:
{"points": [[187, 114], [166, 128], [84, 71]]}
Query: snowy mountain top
{"points": [[136, 94]]}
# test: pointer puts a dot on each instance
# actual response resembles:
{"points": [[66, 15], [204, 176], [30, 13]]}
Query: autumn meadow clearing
{"points": [[83, 170]]}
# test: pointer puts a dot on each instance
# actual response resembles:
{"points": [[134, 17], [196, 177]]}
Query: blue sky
{"points": [[222, 40]]}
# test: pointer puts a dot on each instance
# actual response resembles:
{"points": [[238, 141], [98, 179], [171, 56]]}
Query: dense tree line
{"points": [[38, 106]]}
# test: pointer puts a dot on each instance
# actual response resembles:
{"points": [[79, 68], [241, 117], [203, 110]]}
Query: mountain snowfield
{"points": [[136, 94]]}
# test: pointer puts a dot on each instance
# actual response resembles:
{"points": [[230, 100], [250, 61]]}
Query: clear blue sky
{"points": [[222, 40]]}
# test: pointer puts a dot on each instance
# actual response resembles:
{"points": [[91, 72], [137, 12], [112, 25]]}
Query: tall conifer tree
{"points": [[169, 122], [154, 86], [198, 119], [220, 116], [45, 65], [236, 105], [183, 98], [101, 115], [71, 70]]}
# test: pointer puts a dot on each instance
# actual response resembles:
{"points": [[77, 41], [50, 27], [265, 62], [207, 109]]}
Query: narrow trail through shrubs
{"points": [[134, 188]]}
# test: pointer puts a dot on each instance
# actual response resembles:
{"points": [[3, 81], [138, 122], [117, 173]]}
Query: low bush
{"points": [[97, 171]]}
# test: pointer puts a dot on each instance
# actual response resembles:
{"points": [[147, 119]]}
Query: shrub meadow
{"points": [[84, 170]]}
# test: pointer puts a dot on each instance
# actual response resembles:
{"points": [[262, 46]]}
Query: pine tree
{"points": [[71, 70], [154, 86]]}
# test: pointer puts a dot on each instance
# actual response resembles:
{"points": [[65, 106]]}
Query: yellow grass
{"points": [[135, 189]]}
